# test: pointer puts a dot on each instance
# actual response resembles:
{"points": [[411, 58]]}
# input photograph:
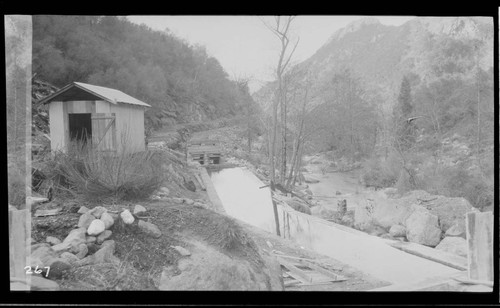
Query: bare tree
{"points": [[280, 29]]}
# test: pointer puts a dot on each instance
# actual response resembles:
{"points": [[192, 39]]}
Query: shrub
{"points": [[379, 173], [458, 181], [95, 174]]}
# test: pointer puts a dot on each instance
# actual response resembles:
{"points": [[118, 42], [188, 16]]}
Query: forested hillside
{"points": [[413, 103], [182, 82]]}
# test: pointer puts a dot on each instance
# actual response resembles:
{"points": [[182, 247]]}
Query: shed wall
{"points": [[129, 127], [129, 123]]}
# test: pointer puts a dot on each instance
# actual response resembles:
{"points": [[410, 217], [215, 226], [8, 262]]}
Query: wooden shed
{"points": [[110, 119]]}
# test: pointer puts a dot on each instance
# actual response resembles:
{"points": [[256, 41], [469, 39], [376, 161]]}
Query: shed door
{"points": [[104, 131]]}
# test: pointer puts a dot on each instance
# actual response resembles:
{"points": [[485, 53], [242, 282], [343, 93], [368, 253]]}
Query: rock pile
{"points": [[417, 217], [89, 243]]}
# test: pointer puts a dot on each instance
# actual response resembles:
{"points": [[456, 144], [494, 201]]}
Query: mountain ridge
{"points": [[380, 55]]}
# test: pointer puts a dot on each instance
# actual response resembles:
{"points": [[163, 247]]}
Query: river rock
{"points": [[90, 239], [164, 191], [188, 201], [107, 219], [178, 200], [457, 230], [83, 250], [83, 209], [182, 251], [422, 227], [397, 231], [376, 231], [37, 245], [74, 238], [139, 209], [96, 227], [43, 257], [58, 268], [456, 245], [387, 236], [85, 220], [310, 180], [53, 240], [127, 217], [199, 204], [449, 210], [97, 211], [93, 247], [149, 228], [104, 236], [69, 257], [103, 255]]}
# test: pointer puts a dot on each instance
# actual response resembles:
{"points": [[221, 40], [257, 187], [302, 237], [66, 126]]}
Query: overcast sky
{"points": [[245, 47]]}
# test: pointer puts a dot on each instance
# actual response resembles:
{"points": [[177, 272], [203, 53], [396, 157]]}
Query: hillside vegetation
{"points": [[360, 90], [181, 81]]}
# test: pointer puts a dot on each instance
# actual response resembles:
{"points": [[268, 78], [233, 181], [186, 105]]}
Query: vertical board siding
{"points": [[81, 106], [102, 107], [65, 126], [129, 127], [126, 134], [479, 228]]}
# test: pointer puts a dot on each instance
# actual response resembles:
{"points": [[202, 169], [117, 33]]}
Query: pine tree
{"points": [[405, 127]]}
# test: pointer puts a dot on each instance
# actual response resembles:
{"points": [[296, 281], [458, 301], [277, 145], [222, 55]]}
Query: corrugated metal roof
{"points": [[111, 95]]}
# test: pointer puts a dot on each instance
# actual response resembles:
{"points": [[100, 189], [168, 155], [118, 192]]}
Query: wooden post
{"points": [[19, 247], [479, 228], [275, 209]]}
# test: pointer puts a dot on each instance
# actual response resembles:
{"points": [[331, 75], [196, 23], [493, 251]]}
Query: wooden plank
{"points": [[104, 131], [66, 125], [322, 270], [294, 271], [432, 254], [203, 141], [19, 248], [291, 283], [479, 231], [69, 106]]}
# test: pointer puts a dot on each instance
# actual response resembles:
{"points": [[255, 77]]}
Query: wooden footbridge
{"points": [[204, 151]]}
